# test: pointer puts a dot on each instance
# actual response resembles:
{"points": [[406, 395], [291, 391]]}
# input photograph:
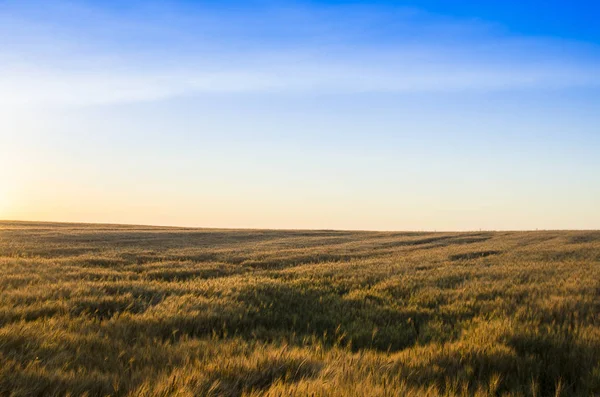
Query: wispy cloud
{"points": [[60, 53]]}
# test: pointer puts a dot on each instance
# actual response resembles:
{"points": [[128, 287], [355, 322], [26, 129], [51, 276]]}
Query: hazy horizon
{"points": [[301, 115], [126, 225]]}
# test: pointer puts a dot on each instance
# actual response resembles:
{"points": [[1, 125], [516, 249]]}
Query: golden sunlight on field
{"points": [[130, 311]]}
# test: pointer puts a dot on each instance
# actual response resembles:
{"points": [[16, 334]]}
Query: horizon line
{"points": [[3, 221]]}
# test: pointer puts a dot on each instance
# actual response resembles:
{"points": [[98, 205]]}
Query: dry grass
{"points": [[114, 310]]}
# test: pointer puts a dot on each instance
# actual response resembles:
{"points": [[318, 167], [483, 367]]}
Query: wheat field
{"points": [[103, 310]]}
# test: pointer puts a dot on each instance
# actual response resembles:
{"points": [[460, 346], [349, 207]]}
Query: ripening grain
{"points": [[127, 311]]}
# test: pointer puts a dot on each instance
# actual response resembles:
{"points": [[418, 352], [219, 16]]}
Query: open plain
{"points": [[130, 310]]}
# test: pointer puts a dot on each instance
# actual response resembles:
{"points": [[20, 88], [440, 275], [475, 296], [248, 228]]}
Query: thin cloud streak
{"points": [[477, 58]]}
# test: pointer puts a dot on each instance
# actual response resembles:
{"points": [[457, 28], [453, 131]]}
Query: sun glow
{"points": [[5, 202], [9, 183]]}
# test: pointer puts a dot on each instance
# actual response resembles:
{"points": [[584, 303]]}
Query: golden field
{"points": [[104, 310]]}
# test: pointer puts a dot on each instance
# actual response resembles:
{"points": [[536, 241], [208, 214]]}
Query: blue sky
{"points": [[355, 115]]}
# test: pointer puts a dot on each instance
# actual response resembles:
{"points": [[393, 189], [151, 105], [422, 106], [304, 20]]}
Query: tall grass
{"points": [[121, 310]]}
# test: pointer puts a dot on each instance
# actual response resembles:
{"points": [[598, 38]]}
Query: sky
{"points": [[379, 115]]}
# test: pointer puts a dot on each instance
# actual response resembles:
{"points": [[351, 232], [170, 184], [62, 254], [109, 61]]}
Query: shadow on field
{"points": [[473, 255], [272, 310]]}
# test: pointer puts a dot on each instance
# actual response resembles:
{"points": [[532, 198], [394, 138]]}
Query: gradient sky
{"points": [[417, 115]]}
